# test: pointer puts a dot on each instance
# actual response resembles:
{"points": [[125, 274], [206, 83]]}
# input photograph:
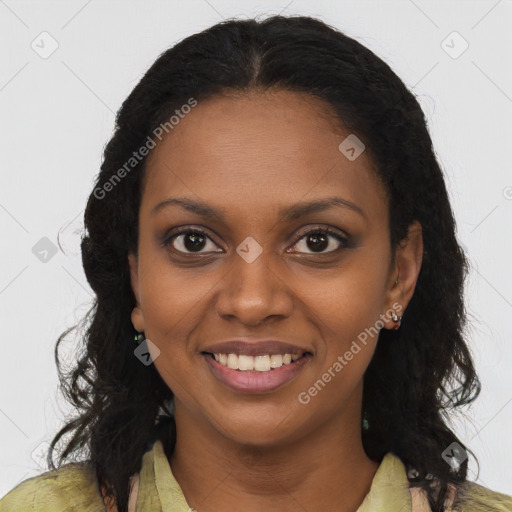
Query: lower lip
{"points": [[253, 381]]}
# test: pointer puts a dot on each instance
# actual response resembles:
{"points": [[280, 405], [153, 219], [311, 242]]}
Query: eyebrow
{"points": [[288, 213]]}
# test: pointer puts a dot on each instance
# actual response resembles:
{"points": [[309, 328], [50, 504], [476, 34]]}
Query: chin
{"points": [[269, 432]]}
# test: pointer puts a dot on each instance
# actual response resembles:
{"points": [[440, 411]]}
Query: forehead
{"points": [[256, 149]]}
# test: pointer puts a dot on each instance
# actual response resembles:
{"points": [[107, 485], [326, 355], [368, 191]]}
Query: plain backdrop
{"points": [[57, 113]]}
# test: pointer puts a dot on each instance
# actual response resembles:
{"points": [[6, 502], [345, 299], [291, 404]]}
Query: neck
{"points": [[327, 469]]}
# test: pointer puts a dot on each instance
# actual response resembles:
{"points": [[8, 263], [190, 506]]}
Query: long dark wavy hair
{"points": [[418, 374]]}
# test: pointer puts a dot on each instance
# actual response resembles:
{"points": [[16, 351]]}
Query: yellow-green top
{"points": [[74, 487]]}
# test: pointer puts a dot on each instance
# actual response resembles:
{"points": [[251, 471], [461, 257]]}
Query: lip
{"points": [[255, 348], [253, 381]]}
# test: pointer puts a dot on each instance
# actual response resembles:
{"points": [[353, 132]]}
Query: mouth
{"points": [[258, 374]]}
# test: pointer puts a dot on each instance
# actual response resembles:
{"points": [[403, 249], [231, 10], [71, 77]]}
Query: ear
{"points": [[406, 268], [137, 314]]}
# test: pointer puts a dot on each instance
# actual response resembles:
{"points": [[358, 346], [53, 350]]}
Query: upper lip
{"points": [[255, 348]]}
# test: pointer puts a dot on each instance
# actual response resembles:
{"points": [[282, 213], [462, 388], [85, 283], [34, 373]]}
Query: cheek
{"points": [[172, 306], [348, 301], [346, 308], [170, 298]]}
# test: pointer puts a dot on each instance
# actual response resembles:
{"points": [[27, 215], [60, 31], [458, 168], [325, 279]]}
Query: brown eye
{"points": [[320, 241], [191, 241]]}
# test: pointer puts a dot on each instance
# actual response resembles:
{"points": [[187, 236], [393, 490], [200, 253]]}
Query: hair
{"points": [[417, 375]]}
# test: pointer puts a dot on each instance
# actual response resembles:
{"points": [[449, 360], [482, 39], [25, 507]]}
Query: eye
{"points": [[188, 240], [320, 239]]}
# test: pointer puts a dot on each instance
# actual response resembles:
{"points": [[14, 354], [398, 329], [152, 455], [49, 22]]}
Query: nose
{"points": [[253, 292]]}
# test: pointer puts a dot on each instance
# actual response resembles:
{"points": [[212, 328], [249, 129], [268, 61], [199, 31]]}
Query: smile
{"points": [[255, 374]]}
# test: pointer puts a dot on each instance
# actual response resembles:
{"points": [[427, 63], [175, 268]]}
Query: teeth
{"points": [[262, 363], [276, 361], [232, 361], [246, 363]]}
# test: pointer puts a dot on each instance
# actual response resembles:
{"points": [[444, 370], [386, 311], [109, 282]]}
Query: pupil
{"points": [[196, 240], [319, 240]]}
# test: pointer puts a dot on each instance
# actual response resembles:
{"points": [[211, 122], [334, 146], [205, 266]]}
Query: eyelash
{"points": [[344, 241]]}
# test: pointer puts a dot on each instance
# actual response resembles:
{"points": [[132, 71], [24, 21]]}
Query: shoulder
{"points": [[472, 497], [70, 487]]}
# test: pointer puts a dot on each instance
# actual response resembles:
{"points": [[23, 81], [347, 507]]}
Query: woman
{"points": [[271, 226]]}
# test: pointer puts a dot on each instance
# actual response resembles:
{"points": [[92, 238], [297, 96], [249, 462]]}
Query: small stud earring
{"points": [[397, 319]]}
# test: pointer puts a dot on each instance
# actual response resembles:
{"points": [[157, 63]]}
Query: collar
{"points": [[159, 490]]}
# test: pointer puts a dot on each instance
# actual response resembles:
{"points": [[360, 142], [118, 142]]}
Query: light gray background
{"points": [[57, 113]]}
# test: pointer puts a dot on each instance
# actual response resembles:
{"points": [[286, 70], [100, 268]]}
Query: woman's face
{"points": [[254, 273]]}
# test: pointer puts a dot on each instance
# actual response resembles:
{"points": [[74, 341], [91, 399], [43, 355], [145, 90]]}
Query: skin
{"points": [[248, 155]]}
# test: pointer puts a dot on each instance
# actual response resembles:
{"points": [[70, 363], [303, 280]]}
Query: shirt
{"points": [[74, 488]]}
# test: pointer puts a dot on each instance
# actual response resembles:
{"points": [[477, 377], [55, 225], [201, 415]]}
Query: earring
{"points": [[397, 319], [394, 316], [366, 424], [139, 338]]}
